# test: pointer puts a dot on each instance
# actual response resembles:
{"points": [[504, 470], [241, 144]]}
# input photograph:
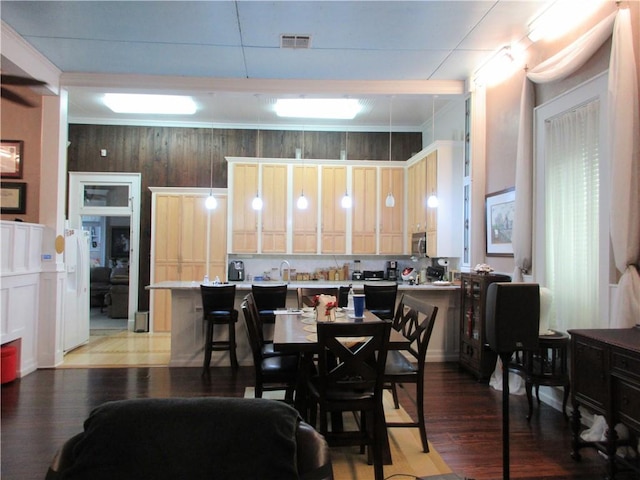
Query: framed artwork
{"points": [[499, 213], [14, 197], [119, 242], [11, 158]]}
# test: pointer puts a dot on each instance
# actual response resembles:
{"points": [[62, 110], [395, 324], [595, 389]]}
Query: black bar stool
{"points": [[218, 302]]}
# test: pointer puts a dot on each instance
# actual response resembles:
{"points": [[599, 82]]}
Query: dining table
{"points": [[294, 332]]}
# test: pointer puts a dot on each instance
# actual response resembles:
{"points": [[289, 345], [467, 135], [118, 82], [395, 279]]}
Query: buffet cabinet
{"points": [[475, 354], [605, 379]]}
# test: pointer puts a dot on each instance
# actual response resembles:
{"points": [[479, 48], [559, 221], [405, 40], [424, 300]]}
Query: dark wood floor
{"points": [[42, 410]]}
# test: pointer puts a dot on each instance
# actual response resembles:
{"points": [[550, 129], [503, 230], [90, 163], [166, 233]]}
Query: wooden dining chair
{"points": [[415, 319], [381, 299], [351, 362], [272, 372], [218, 308], [307, 294], [269, 298]]}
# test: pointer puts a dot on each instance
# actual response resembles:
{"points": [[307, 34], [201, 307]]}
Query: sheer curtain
{"points": [[572, 215]]}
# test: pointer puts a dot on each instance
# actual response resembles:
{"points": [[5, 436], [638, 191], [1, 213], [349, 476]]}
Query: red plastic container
{"points": [[8, 364]]}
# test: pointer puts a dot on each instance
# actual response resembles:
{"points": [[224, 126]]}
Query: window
{"points": [[571, 253]]}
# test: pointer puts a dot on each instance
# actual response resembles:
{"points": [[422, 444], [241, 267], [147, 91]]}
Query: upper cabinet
{"points": [[364, 211], [244, 187], [274, 212], [305, 221], [333, 217], [391, 232], [437, 171]]}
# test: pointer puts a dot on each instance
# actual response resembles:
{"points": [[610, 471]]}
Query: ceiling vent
{"points": [[295, 41]]}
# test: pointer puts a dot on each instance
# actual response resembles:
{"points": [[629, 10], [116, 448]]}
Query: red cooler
{"points": [[8, 364]]}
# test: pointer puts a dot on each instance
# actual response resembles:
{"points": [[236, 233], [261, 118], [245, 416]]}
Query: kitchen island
{"points": [[187, 332]]}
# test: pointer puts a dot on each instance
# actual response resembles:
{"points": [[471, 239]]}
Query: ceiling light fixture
{"points": [[328, 108], [302, 202], [560, 18], [150, 104], [211, 203], [390, 201], [496, 69]]}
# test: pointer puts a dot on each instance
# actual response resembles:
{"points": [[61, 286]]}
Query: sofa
{"points": [[194, 438], [117, 298]]}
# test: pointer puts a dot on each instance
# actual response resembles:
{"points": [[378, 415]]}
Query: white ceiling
{"points": [[227, 54]]}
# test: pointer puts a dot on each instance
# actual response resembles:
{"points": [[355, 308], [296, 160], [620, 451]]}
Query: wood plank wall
{"points": [[181, 157]]}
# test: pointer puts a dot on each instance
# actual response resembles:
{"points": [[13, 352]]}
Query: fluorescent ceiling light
{"points": [[153, 104], [337, 108], [561, 18]]}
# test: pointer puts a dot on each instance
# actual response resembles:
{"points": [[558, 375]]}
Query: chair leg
{"points": [[208, 338], [378, 462], [394, 393], [421, 420], [529, 387], [232, 345]]}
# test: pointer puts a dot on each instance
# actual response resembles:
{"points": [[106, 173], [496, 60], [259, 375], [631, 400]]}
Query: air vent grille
{"points": [[295, 41]]}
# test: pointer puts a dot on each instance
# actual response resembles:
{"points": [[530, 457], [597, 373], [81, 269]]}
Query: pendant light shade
{"points": [[432, 201], [256, 203], [390, 200], [211, 203], [302, 203], [346, 201]]}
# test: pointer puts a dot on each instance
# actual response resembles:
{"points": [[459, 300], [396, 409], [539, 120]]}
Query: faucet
{"points": [[285, 262]]}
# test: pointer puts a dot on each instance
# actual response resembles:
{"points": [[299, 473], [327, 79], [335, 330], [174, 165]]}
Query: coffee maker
{"points": [[392, 270]]}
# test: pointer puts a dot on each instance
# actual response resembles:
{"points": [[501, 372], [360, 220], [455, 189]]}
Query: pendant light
{"points": [[302, 202], [390, 201], [346, 200], [211, 203], [256, 204], [432, 201]]}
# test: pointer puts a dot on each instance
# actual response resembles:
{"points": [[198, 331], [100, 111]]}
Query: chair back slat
{"points": [[218, 298], [415, 320]]}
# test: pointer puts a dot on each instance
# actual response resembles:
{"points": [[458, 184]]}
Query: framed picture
{"points": [[11, 158], [499, 212], [14, 197], [119, 242]]}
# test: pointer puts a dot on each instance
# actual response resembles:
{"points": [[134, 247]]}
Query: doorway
{"points": [[107, 205]]}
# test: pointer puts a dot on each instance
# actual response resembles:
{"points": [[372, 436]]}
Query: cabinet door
{"points": [[167, 230], [245, 219], [417, 186], [391, 218], [218, 240], [274, 210], [333, 216], [305, 222], [431, 188], [193, 230], [364, 191]]}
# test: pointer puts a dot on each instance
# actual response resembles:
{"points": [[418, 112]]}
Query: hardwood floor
{"points": [[43, 409]]}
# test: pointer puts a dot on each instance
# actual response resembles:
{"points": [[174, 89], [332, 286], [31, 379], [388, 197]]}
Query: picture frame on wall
{"points": [[13, 197], [499, 216], [11, 158]]}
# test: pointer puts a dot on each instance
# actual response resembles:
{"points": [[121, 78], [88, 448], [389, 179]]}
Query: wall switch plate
{"points": [[103, 152]]}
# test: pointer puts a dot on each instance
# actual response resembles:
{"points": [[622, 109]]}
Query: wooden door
{"points": [[245, 219], [364, 190], [274, 209], [391, 218], [333, 216], [305, 222]]}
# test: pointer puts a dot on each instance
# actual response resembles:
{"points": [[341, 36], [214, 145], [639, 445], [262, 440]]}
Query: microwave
{"points": [[419, 244]]}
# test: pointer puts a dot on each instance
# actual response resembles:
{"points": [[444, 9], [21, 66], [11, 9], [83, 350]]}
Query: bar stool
{"points": [[545, 366], [218, 309]]}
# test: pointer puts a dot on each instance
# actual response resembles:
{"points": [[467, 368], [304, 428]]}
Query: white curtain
{"points": [[625, 157], [571, 213], [624, 134]]}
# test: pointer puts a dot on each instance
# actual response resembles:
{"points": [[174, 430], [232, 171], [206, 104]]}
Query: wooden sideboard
{"points": [[605, 376]]}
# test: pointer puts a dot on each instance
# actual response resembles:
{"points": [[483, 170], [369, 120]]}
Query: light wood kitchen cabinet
{"points": [[364, 213], [182, 233], [332, 216], [305, 222], [416, 197], [244, 235], [274, 210], [391, 232], [442, 161]]}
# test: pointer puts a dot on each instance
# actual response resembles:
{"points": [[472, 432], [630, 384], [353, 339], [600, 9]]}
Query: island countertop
{"points": [[357, 285]]}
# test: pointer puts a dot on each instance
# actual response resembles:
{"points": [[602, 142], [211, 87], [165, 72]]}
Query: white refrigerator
{"points": [[76, 292]]}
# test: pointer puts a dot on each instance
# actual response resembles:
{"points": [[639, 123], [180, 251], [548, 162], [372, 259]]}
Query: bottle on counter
{"points": [[350, 298], [216, 281], [206, 280]]}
